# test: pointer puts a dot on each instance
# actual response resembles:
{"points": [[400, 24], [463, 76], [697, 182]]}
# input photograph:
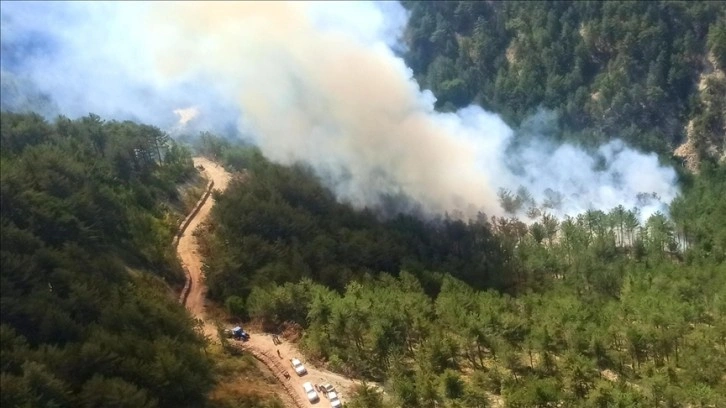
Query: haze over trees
{"points": [[634, 70], [602, 309], [594, 310], [606, 308]]}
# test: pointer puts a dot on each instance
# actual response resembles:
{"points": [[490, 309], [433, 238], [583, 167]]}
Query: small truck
{"points": [[238, 333]]}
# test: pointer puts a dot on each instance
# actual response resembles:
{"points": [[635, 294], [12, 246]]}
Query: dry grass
{"points": [[242, 382], [191, 191]]}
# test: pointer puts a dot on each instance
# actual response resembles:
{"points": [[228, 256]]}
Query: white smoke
{"points": [[318, 83]]}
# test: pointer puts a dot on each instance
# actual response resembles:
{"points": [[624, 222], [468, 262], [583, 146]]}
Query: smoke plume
{"points": [[314, 82]]}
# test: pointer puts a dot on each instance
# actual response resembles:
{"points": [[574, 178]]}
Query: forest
{"points": [[597, 310], [88, 212], [601, 309], [641, 71]]}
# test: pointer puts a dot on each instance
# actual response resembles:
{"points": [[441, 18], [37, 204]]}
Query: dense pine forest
{"points": [[642, 71], [600, 309], [89, 209]]}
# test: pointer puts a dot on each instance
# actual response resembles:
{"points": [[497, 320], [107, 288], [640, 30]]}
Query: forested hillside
{"points": [[598, 310], [88, 212], [650, 72]]}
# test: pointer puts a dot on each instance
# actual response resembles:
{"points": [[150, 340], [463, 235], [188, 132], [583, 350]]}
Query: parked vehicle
{"points": [[298, 367], [238, 333], [310, 392], [327, 388], [334, 400]]}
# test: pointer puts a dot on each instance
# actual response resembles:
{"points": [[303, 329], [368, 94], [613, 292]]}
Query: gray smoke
{"points": [[312, 82]]}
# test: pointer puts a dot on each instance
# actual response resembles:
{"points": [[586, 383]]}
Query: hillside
{"points": [[475, 313], [646, 72], [88, 212], [592, 311], [475, 204]]}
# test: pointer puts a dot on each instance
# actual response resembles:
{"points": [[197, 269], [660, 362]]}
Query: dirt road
{"points": [[260, 344], [187, 248]]}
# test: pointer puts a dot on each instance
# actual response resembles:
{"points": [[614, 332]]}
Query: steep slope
{"points": [[260, 345], [626, 70], [85, 265], [602, 307]]}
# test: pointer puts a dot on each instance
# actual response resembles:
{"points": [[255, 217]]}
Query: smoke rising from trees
{"points": [[317, 83]]}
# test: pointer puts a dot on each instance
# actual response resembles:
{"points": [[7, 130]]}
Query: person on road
{"points": [[278, 353]]}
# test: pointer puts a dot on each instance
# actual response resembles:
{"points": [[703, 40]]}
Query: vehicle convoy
{"points": [[298, 367], [310, 392]]}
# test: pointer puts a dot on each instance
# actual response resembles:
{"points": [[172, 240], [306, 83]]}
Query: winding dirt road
{"points": [[187, 249], [260, 345]]}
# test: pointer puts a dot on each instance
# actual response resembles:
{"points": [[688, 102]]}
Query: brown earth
{"points": [[260, 345], [187, 249]]}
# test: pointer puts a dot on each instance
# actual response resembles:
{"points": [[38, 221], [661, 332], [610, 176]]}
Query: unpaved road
{"points": [[260, 344], [187, 248], [263, 342]]}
